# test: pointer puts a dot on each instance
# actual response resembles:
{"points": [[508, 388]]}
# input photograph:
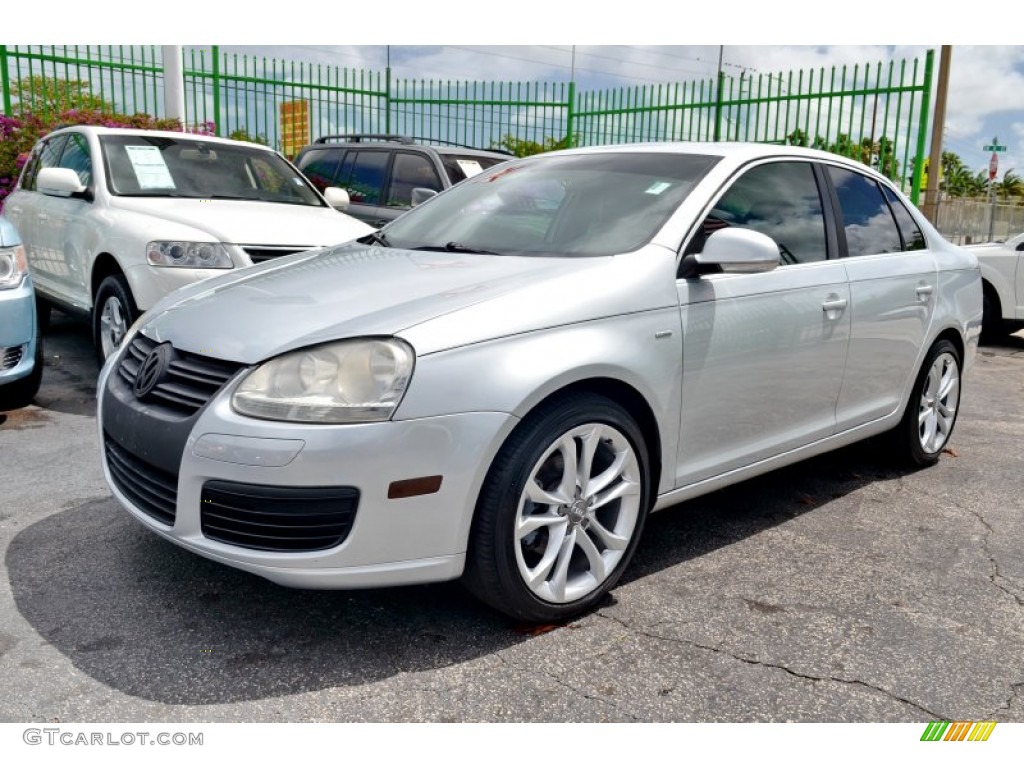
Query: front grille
{"points": [[189, 382], [260, 253], [149, 488], [277, 519], [10, 356]]}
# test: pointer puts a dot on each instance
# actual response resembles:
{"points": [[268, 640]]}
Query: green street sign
{"points": [[994, 148]]}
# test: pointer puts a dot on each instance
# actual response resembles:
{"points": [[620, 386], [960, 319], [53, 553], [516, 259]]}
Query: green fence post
{"points": [[216, 90], [5, 80], [718, 106], [387, 99], [570, 118], [922, 128]]}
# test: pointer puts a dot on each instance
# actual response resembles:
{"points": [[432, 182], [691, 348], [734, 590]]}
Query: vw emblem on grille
{"points": [[152, 370]]}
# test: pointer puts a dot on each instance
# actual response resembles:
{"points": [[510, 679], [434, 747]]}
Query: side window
{"points": [[868, 221], [366, 183], [76, 157], [780, 200], [409, 172], [913, 240], [46, 155], [320, 166]]}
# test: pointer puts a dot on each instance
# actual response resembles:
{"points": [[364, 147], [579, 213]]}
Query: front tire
{"points": [[561, 511], [113, 313], [934, 403]]}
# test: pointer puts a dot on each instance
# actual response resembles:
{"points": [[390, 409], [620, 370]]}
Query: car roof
{"points": [[100, 130], [372, 140]]}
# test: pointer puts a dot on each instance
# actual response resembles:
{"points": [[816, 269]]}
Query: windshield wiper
{"points": [[454, 247], [377, 237]]}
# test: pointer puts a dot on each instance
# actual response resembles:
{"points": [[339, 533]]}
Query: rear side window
{"points": [[913, 240], [461, 167], [320, 166], [867, 219]]}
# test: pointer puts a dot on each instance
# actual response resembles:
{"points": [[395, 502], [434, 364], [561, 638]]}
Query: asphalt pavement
{"points": [[838, 590]]}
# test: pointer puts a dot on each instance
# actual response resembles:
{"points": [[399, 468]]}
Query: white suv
{"points": [[114, 219]]}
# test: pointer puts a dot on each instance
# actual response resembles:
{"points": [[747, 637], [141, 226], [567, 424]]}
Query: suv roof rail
{"points": [[359, 137], [462, 146]]}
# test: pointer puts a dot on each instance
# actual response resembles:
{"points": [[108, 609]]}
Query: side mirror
{"points": [[60, 182], [739, 250], [422, 194], [337, 197]]}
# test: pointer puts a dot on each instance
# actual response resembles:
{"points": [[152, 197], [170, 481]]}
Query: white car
{"points": [[1002, 276], [114, 219], [503, 381]]}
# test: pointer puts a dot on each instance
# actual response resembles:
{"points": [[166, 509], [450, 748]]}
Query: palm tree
{"points": [[1012, 185]]}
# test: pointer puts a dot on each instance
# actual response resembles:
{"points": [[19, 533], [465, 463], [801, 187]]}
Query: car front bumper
{"points": [[17, 331], [415, 539]]}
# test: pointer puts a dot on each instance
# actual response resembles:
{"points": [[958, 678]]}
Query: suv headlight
{"points": [[176, 253], [336, 383], [13, 267]]}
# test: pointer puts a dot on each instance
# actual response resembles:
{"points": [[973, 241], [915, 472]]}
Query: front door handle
{"points": [[834, 305], [924, 291]]}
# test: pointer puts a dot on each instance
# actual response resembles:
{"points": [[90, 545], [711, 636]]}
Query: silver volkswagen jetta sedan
{"points": [[503, 383]]}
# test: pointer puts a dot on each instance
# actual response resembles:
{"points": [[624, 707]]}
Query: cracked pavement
{"points": [[839, 589]]}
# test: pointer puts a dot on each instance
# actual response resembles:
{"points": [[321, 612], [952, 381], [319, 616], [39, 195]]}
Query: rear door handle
{"points": [[834, 305], [924, 291]]}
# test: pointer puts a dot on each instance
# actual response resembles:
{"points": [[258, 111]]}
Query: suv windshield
{"points": [[158, 166], [568, 205]]}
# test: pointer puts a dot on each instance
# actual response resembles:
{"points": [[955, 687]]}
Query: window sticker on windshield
{"points": [[150, 168], [657, 187], [469, 167]]}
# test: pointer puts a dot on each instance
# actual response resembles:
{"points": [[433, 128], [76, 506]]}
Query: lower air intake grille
{"points": [[149, 488], [10, 357], [277, 519]]}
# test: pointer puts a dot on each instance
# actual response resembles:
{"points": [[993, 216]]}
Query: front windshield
{"points": [[568, 205], [158, 166]]}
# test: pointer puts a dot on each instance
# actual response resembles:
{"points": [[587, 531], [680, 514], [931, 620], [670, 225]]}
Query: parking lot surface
{"points": [[838, 589]]}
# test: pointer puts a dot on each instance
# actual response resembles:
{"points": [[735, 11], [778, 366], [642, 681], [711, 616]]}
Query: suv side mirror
{"points": [[60, 182], [421, 195], [337, 197]]}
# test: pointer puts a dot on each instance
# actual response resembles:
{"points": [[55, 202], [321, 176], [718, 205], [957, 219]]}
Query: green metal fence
{"points": [[876, 113]]}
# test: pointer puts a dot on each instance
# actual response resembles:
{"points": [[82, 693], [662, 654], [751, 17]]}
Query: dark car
{"points": [[385, 174]]}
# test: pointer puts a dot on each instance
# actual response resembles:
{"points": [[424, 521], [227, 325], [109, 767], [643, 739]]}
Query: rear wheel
{"points": [[113, 313], [561, 511], [934, 403], [992, 326]]}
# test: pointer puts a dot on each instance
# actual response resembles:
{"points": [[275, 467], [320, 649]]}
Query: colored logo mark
{"points": [[944, 730]]}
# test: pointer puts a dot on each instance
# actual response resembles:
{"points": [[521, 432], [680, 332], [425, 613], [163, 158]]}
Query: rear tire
{"points": [[931, 413], [113, 313], [561, 511], [992, 326]]}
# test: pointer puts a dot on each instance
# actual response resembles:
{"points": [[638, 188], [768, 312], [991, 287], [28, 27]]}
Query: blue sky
{"points": [[532, 40]]}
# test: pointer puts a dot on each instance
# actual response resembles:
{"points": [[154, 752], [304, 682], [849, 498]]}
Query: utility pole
{"points": [[931, 195], [174, 83]]}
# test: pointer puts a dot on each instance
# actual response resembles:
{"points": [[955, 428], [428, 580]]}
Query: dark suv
{"points": [[385, 175]]}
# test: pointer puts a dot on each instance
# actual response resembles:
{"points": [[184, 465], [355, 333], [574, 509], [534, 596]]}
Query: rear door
{"points": [[893, 287]]}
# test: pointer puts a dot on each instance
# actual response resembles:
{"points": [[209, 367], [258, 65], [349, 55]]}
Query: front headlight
{"points": [[337, 383], [176, 253], [13, 267]]}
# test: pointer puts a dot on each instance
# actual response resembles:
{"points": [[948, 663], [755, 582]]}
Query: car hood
{"points": [[251, 223], [435, 300]]}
